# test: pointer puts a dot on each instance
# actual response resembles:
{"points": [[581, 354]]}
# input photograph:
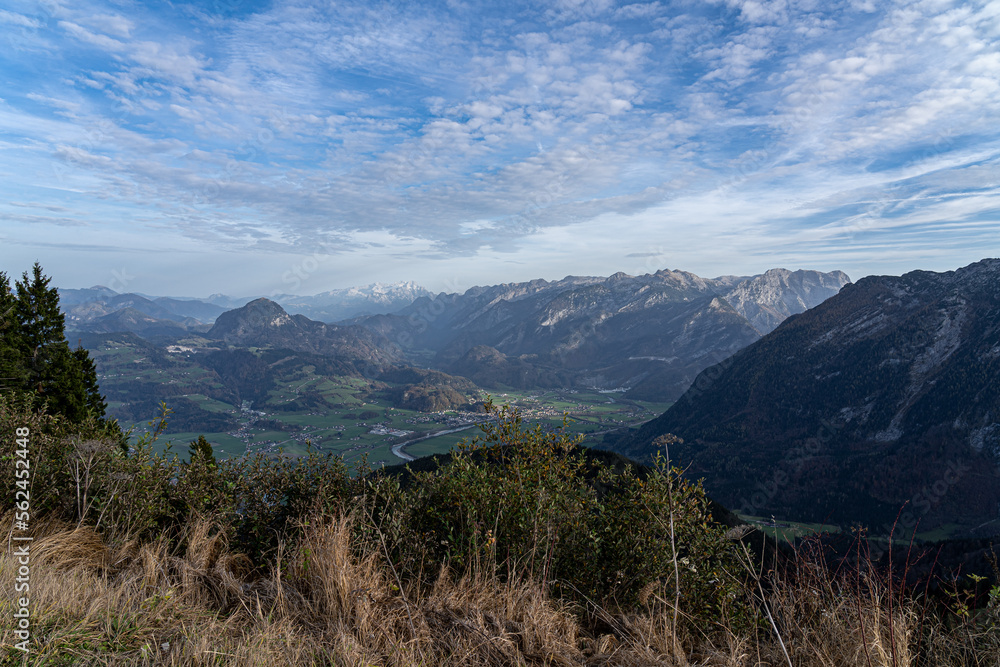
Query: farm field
{"points": [[295, 403], [788, 531], [347, 430]]}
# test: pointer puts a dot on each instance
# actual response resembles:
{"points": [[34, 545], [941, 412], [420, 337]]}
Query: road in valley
{"points": [[398, 449]]}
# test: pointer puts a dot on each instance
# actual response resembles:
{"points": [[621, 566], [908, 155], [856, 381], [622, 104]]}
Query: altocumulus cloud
{"points": [[445, 139]]}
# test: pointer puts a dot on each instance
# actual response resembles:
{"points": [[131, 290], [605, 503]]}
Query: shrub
{"points": [[68, 461], [272, 497], [80, 472], [532, 504]]}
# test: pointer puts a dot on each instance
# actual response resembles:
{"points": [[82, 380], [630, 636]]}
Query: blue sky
{"points": [[264, 147]]}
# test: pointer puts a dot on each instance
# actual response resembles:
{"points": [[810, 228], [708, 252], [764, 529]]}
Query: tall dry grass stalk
{"points": [[326, 604], [831, 620], [335, 600]]}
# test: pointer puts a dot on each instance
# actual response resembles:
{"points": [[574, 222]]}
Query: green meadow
{"points": [[334, 414]]}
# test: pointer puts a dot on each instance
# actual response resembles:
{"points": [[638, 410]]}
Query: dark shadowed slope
{"points": [[888, 393]]}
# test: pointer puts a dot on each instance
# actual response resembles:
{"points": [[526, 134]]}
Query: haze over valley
{"points": [[547, 346], [613, 353]]}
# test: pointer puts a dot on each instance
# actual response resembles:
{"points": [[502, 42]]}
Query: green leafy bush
{"points": [[532, 503], [272, 497], [68, 461]]}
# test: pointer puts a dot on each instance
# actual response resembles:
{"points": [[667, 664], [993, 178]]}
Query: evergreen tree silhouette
{"points": [[12, 372], [34, 354], [201, 449]]}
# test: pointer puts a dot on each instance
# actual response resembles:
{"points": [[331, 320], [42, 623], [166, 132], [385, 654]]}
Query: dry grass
{"points": [[149, 605], [332, 602], [834, 620]]}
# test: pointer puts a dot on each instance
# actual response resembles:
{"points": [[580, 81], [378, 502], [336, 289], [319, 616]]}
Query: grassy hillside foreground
{"points": [[522, 549]]}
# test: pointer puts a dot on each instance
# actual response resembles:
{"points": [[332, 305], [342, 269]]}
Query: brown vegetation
{"points": [[328, 603], [520, 550]]}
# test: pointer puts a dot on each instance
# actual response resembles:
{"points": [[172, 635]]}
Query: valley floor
{"points": [[392, 434]]}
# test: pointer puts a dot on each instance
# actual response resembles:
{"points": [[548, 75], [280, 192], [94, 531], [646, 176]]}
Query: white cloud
{"points": [[54, 102], [480, 132], [13, 18], [108, 23], [762, 11], [84, 35]]}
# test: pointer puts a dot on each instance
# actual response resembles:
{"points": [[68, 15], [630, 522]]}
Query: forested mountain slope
{"points": [[884, 395]]}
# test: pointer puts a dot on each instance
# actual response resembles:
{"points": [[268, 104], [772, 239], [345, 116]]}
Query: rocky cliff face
{"points": [[884, 395], [770, 298]]}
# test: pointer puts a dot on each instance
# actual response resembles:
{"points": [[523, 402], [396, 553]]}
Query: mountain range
{"points": [[85, 308], [882, 399], [342, 304], [649, 335]]}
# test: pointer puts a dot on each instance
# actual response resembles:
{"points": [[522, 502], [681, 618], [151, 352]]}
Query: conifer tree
{"points": [[11, 366], [91, 390], [44, 352], [38, 311], [34, 354]]}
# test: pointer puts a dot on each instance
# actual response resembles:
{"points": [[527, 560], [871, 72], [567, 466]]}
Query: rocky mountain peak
{"points": [[770, 298], [264, 323], [982, 274], [255, 317]]}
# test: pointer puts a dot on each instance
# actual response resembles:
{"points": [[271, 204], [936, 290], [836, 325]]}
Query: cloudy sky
{"points": [[299, 146]]}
